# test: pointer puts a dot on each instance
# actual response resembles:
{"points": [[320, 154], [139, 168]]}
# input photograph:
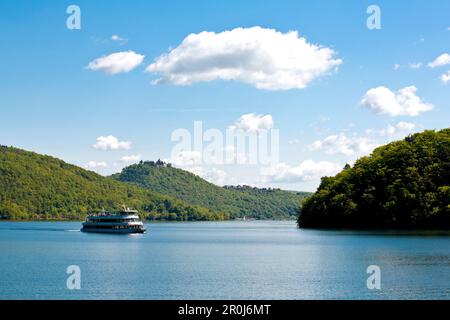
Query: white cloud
{"points": [[341, 144], [119, 62], [118, 38], [404, 102], [440, 61], [411, 65], [390, 130], [265, 58], [213, 175], [96, 165], [253, 123], [131, 158], [232, 156], [405, 126], [401, 127], [415, 65], [308, 170], [111, 143], [186, 158], [445, 78]]}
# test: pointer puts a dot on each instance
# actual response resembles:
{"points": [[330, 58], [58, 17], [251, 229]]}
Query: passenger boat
{"points": [[124, 221]]}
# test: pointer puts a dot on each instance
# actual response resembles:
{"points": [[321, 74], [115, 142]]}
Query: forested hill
{"points": [[238, 201], [38, 187], [34, 186], [405, 184]]}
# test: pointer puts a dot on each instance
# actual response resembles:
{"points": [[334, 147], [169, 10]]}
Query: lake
{"points": [[220, 260]]}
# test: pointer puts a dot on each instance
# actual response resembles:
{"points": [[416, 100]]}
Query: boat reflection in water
{"points": [[125, 221]]}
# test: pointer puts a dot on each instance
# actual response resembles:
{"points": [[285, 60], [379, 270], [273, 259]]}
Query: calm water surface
{"points": [[220, 260]]}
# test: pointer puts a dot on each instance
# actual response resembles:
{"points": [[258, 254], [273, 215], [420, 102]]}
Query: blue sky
{"points": [[52, 103]]}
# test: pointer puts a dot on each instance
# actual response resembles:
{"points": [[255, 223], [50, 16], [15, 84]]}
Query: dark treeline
{"points": [[39, 187], [405, 184]]}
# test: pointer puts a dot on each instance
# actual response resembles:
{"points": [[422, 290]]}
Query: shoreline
{"points": [[162, 221], [374, 232]]}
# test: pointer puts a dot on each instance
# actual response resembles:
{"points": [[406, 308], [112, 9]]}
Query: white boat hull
{"points": [[119, 231], [125, 222]]}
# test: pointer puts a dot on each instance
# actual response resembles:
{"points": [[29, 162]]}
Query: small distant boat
{"points": [[244, 218], [124, 221]]}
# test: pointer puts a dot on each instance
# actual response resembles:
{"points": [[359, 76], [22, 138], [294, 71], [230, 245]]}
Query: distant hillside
{"points": [[34, 186], [237, 201], [405, 184]]}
